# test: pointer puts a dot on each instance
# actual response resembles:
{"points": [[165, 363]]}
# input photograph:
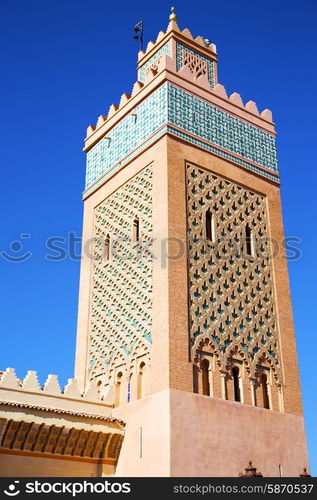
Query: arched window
{"points": [[249, 241], [210, 227], [106, 250], [265, 394], [136, 230], [118, 389], [140, 393], [236, 383], [99, 385], [205, 377]]}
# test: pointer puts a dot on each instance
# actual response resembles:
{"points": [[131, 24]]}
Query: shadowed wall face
{"points": [[120, 318]]}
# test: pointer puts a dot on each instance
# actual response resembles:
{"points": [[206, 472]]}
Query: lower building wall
{"points": [[217, 438], [145, 450], [12, 465], [191, 435]]}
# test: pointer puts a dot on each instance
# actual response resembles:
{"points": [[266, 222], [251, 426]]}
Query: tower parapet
{"points": [[177, 93], [51, 395]]}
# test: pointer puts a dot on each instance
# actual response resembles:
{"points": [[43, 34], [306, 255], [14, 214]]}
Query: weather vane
{"points": [[138, 30]]}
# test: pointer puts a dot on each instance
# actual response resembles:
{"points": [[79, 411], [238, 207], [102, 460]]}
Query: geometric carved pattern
{"points": [[196, 65], [121, 297], [187, 56], [231, 294], [42, 438], [153, 61]]}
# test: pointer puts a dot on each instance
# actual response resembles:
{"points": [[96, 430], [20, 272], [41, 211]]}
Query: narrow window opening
{"points": [[118, 389], [265, 394], [236, 383], [248, 241], [106, 252], [141, 381], [210, 229], [195, 379], [136, 230], [99, 385], [205, 377], [129, 392]]}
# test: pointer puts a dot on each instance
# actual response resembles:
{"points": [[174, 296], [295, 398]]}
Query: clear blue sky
{"points": [[63, 63]]}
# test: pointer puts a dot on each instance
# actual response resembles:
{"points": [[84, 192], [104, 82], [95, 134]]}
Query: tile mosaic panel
{"points": [[212, 124], [194, 116], [127, 134]]}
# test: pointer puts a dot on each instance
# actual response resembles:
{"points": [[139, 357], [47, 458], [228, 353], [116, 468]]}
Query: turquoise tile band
{"points": [[171, 105]]}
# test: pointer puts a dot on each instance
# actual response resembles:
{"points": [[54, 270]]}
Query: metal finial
{"points": [[250, 471], [173, 16], [138, 33], [305, 473]]}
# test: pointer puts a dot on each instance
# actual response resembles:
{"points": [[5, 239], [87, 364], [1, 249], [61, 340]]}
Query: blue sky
{"points": [[63, 63]]}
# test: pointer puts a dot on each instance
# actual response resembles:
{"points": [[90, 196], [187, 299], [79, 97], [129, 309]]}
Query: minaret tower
{"points": [[185, 319]]}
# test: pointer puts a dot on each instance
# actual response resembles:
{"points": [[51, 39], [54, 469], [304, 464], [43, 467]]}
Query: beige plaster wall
{"points": [[187, 435], [214, 437], [150, 455]]}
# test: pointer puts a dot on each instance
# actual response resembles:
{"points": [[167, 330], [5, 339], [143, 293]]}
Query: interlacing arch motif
{"points": [[196, 65], [120, 322], [231, 293]]}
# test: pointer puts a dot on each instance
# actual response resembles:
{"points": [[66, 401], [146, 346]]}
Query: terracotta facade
{"points": [[177, 338]]}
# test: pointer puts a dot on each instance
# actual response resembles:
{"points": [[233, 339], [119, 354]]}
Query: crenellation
{"points": [[168, 58], [236, 99], [141, 53], [252, 107], [267, 115], [160, 36], [137, 87], [72, 389], [187, 33], [201, 41], [124, 99], [90, 130], [101, 121], [9, 379], [91, 393], [112, 110], [30, 382], [220, 91], [51, 385], [150, 46]]}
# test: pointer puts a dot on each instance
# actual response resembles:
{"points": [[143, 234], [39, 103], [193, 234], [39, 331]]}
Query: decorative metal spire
{"points": [[173, 16], [138, 33]]}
